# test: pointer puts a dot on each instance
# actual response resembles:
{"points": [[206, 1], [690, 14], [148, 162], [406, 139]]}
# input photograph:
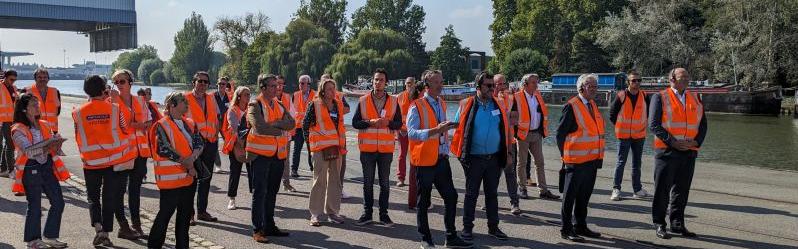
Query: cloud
{"points": [[467, 13]]}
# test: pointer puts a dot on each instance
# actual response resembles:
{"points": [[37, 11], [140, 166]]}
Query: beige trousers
{"points": [[325, 195], [533, 144]]}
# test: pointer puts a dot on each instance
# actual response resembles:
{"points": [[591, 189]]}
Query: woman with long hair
{"points": [[38, 171], [324, 128], [234, 142]]}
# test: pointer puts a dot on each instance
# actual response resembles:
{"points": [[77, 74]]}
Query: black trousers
{"points": [[673, 175], [7, 150], [131, 181], [102, 184], [439, 175], [181, 200], [299, 141], [267, 173], [235, 176], [381, 163], [485, 172], [578, 187], [206, 159]]}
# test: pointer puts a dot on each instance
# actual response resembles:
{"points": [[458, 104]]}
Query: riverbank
{"points": [[730, 206]]}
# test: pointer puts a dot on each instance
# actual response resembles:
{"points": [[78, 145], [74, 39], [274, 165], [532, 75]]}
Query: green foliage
{"points": [[157, 77], [523, 61], [147, 67], [401, 16], [250, 62], [193, 49], [450, 57], [328, 14], [167, 71], [132, 60], [236, 34], [560, 30], [290, 53], [370, 50]]}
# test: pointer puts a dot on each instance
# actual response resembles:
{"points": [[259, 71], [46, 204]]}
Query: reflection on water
{"points": [[770, 142]]}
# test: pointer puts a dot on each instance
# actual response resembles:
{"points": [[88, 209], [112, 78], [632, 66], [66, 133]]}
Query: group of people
{"points": [[494, 132]]}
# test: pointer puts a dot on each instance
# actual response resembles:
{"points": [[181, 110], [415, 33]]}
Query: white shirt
{"points": [[679, 96], [584, 100], [534, 115]]}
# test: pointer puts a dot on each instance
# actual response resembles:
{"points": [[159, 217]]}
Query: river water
{"points": [[759, 141]]}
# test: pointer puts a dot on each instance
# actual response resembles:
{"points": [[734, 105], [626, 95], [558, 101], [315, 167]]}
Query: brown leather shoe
{"points": [[260, 238], [206, 217]]}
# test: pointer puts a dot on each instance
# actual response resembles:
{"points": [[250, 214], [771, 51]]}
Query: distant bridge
{"points": [[109, 24]]}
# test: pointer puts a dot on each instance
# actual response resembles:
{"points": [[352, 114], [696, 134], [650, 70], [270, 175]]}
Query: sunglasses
{"points": [[203, 81], [636, 80], [120, 82]]}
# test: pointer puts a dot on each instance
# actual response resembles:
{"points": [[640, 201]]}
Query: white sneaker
{"points": [[54, 243], [231, 205], [616, 194], [37, 244], [640, 194], [344, 195]]}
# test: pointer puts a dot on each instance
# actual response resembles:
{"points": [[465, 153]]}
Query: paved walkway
{"points": [[730, 207]]}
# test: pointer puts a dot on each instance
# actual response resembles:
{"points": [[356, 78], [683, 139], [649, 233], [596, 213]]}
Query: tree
{"points": [[236, 34], [284, 54], [328, 14], [250, 62], [193, 50], [560, 30], [147, 67], [370, 50], [450, 57], [167, 72], [504, 12], [401, 16], [157, 77], [523, 61], [132, 60], [754, 42], [653, 37]]}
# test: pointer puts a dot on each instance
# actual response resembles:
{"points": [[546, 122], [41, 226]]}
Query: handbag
{"points": [[330, 153]]}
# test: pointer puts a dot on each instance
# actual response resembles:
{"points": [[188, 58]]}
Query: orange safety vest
{"points": [[425, 153], [631, 123], [266, 145], [680, 121], [6, 105], [506, 102], [465, 109], [228, 132], [140, 113], [376, 139], [301, 106], [404, 106], [325, 133], [207, 121], [158, 114], [587, 142], [50, 108], [170, 174], [59, 170], [101, 141], [285, 99], [524, 116]]}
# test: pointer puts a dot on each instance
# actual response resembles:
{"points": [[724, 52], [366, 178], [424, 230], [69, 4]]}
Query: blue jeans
{"points": [[637, 154], [38, 179]]}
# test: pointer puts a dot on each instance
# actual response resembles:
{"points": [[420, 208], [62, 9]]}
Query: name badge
{"points": [[382, 113], [496, 112], [33, 172], [334, 115]]}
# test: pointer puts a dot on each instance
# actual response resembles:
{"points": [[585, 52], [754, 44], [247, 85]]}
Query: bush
{"points": [[157, 77]]}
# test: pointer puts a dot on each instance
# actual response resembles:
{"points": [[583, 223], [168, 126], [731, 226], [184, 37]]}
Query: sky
{"points": [[159, 20]]}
